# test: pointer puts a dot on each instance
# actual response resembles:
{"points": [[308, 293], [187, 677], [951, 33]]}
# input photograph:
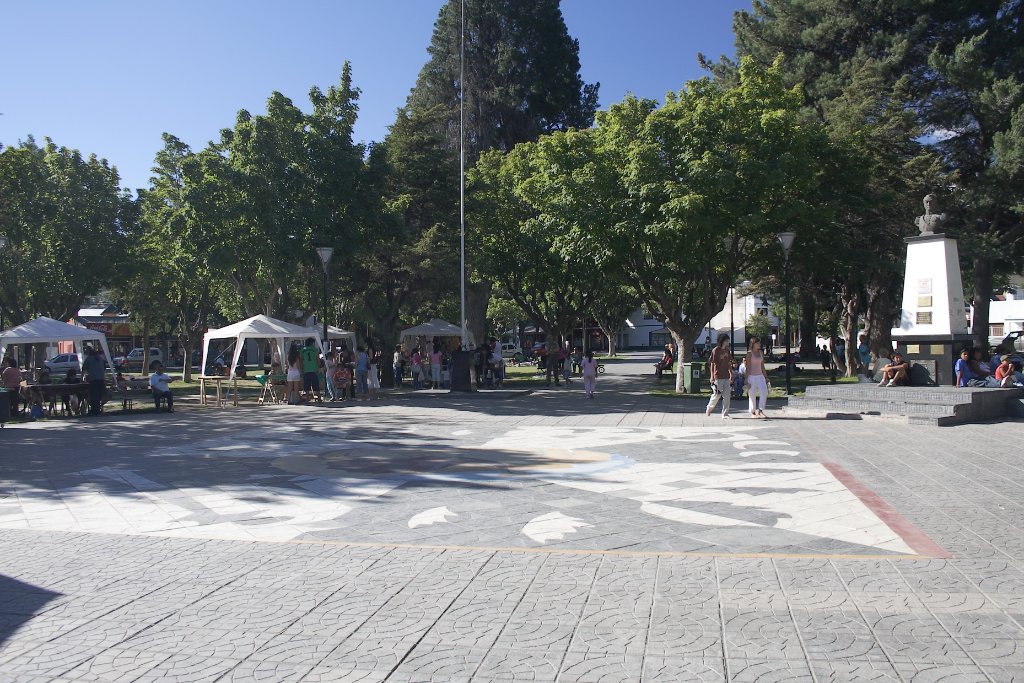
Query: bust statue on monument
{"points": [[930, 223]]}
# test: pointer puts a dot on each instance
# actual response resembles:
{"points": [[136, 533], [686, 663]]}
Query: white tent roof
{"points": [[258, 327], [43, 330], [436, 328], [334, 332], [261, 327]]}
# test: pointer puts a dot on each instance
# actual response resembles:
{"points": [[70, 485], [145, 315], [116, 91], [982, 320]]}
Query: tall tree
{"points": [[676, 200], [65, 218], [954, 66], [183, 220], [521, 80]]}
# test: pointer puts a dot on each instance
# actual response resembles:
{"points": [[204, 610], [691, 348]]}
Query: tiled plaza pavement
{"points": [[541, 538]]}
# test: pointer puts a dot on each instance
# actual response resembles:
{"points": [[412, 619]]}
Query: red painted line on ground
{"points": [[904, 528]]}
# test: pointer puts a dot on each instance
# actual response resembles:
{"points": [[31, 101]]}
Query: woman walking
{"points": [[589, 366], [294, 377], [757, 382]]}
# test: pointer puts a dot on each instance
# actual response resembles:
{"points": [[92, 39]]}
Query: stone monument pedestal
{"points": [[933, 319]]}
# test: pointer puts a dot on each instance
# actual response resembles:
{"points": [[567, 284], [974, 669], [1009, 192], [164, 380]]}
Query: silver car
{"points": [[60, 364]]}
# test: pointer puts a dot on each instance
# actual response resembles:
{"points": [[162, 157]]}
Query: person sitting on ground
{"points": [[962, 368], [979, 368], [1012, 377], [158, 383], [896, 373], [996, 359]]}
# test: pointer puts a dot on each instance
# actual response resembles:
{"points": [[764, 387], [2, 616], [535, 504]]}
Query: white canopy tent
{"points": [[337, 333], [47, 330], [436, 328], [258, 327]]}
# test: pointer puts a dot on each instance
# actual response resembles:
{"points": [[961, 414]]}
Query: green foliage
{"points": [[66, 219], [647, 198], [759, 326], [521, 76]]}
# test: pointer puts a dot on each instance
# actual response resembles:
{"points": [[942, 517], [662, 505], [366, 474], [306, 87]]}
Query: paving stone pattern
{"points": [[509, 540]]}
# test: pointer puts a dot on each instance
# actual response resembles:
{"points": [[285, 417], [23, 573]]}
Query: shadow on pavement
{"points": [[18, 603]]}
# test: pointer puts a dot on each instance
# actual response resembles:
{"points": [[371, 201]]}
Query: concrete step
{"points": [[915, 405], [872, 392], [872, 407]]}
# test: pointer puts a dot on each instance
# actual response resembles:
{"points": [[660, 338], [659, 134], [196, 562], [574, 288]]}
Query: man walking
{"points": [[720, 374]]}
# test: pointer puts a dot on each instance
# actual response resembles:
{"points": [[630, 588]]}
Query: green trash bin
{"points": [[691, 376]]}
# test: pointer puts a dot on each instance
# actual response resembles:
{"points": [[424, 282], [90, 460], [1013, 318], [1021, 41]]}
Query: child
{"points": [[343, 380], [589, 373]]}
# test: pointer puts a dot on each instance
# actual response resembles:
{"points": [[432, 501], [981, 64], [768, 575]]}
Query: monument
{"points": [[933, 319]]}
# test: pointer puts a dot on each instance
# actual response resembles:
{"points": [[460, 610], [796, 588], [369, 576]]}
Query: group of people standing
{"points": [[336, 376]]}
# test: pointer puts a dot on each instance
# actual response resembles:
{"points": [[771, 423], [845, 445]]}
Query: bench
{"points": [[130, 389]]}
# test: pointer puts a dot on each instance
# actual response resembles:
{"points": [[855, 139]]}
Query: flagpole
{"points": [[462, 175]]}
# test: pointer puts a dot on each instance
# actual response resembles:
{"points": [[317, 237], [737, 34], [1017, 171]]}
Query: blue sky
{"points": [[109, 76]]}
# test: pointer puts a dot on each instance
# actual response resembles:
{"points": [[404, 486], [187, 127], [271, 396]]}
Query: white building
{"points": [[642, 331], [1005, 315]]}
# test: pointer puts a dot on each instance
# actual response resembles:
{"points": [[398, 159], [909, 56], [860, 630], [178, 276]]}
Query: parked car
{"points": [[133, 361], [1015, 340], [60, 364]]}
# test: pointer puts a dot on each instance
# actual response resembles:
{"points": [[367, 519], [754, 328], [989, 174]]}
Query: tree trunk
{"points": [[478, 295], [880, 315], [982, 285], [849, 330], [145, 347], [187, 346], [808, 324], [681, 342], [611, 341]]}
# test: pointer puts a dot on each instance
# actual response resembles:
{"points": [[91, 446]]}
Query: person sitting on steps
{"points": [[898, 372]]}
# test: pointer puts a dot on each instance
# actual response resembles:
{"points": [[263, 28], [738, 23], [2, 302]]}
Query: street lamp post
{"points": [[727, 242], [786, 240], [3, 243], [325, 254]]}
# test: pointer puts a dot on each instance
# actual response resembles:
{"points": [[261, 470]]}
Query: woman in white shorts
{"points": [[294, 377], [757, 382]]}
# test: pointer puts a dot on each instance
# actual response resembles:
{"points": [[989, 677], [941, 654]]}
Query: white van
{"points": [[511, 349]]}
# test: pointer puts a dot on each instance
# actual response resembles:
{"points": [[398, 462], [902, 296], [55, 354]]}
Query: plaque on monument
{"points": [[924, 302], [924, 317]]}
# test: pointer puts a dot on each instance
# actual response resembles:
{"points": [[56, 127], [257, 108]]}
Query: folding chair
{"points": [[269, 384]]}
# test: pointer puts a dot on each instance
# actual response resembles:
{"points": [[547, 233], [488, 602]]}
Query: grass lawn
{"points": [[665, 387]]}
